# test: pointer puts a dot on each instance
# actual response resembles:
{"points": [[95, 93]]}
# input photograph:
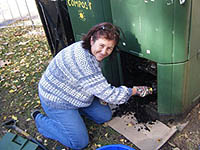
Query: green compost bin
{"points": [[167, 33]]}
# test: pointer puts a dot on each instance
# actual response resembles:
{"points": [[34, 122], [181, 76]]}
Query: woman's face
{"points": [[102, 48]]}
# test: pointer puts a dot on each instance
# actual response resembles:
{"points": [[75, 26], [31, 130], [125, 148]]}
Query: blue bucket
{"points": [[115, 147]]}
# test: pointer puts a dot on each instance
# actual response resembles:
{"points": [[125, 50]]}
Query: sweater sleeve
{"points": [[97, 85]]}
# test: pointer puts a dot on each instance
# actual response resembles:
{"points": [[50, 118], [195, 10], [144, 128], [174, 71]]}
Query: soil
{"points": [[136, 105], [189, 137]]}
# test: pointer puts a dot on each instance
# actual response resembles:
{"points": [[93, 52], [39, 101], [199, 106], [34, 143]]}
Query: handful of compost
{"points": [[143, 91]]}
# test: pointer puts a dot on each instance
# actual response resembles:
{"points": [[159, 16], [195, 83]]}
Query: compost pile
{"points": [[137, 106], [138, 72]]}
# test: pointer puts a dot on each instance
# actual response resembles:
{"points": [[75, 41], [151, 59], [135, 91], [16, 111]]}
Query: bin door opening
{"points": [[138, 72]]}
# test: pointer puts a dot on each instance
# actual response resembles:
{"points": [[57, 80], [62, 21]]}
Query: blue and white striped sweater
{"points": [[74, 77]]}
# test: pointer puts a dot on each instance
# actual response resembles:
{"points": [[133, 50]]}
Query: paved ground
{"points": [[13, 10]]}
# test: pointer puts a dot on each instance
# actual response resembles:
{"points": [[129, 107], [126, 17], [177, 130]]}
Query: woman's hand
{"points": [[141, 91]]}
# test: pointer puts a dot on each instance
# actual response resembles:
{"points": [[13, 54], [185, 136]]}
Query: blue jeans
{"points": [[67, 125]]}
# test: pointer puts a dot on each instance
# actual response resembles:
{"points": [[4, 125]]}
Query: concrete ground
{"points": [[13, 10]]}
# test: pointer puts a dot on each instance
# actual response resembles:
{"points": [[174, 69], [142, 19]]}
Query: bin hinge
{"points": [[182, 2]]}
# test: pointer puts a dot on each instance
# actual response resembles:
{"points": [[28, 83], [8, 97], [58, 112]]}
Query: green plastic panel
{"points": [[86, 13], [111, 69], [178, 86], [195, 29], [194, 57], [157, 30], [172, 87], [193, 79], [12, 141]]}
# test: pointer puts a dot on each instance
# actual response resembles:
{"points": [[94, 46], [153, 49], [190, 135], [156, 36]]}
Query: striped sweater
{"points": [[74, 77]]}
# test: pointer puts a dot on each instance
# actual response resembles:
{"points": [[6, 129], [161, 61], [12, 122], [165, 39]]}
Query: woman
{"points": [[73, 84]]}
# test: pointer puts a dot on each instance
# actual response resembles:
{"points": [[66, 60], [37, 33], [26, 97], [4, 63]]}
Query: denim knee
{"points": [[108, 117], [80, 143], [105, 118]]}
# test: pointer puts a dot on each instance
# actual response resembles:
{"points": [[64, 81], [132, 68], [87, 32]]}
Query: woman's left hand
{"points": [[142, 91]]}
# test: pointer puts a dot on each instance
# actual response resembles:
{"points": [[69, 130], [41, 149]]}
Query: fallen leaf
{"points": [[25, 104], [105, 124], [199, 115], [36, 106], [39, 138], [11, 104], [17, 110], [97, 145], [171, 144], [5, 117], [186, 136], [45, 142], [14, 117], [23, 43], [106, 135], [130, 124], [159, 140], [28, 119], [121, 140], [11, 91]]}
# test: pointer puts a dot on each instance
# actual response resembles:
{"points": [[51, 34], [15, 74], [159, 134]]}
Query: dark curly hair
{"points": [[103, 30]]}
